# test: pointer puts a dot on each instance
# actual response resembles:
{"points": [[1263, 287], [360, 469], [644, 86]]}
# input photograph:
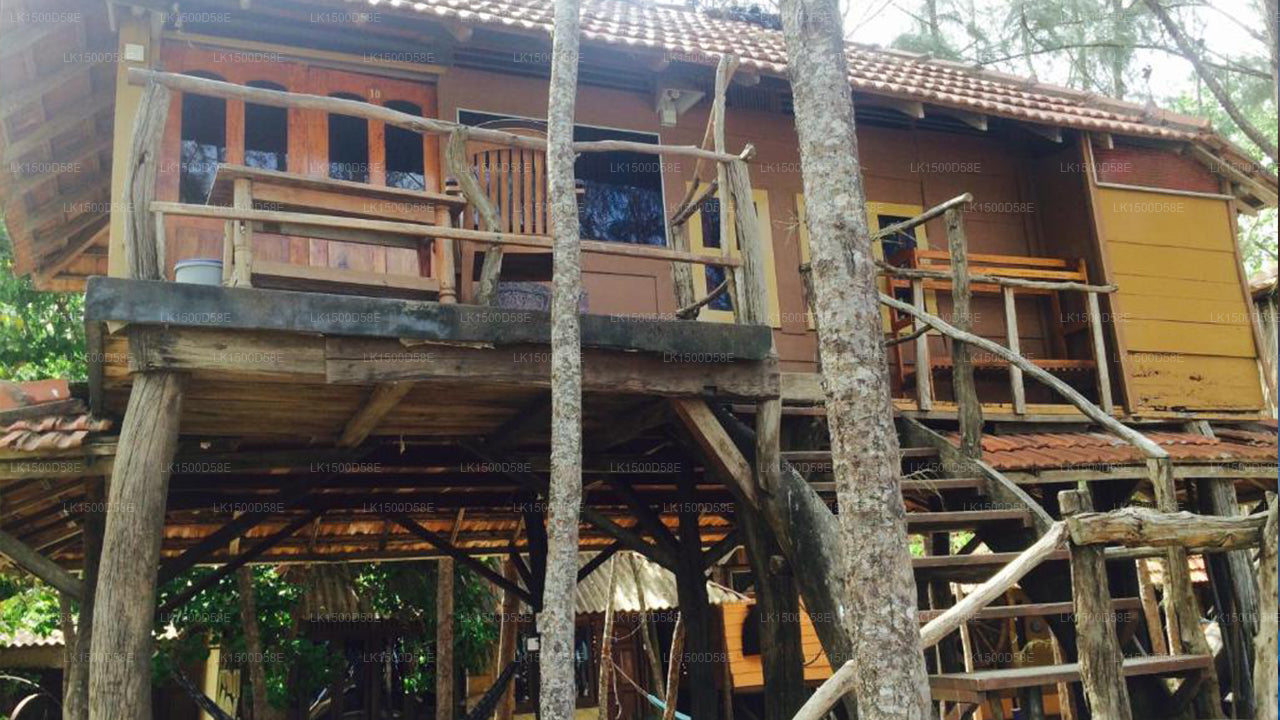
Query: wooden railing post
{"points": [[242, 238], [444, 250], [1100, 354], [968, 407], [1101, 663], [145, 257], [1016, 385], [724, 71], [924, 366], [460, 168]]}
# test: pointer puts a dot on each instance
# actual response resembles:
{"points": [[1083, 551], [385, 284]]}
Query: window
{"points": [[266, 133], [704, 237], [405, 164], [204, 144], [348, 145], [899, 242]]}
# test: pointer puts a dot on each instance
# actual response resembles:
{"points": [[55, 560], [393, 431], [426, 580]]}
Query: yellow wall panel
{"points": [[1180, 307], [1148, 218]]}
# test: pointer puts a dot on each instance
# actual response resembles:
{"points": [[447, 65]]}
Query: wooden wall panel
{"points": [[1184, 313]]}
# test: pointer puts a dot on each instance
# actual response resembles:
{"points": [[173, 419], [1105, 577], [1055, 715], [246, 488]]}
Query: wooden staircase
{"points": [[939, 508]]}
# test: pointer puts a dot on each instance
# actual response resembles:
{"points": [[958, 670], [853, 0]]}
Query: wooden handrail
{"points": [[414, 123], [437, 231], [921, 273]]}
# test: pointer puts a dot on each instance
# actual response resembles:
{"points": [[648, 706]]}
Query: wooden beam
{"points": [[1048, 132], [719, 448], [648, 519], [38, 565], [83, 240], [1144, 527], [1100, 360], [443, 545], [239, 561], [382, 400], [977, 121], [600, 558], [720, 548]]}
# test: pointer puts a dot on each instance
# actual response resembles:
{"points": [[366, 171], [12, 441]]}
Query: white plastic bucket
{"points": [[198, 271]]}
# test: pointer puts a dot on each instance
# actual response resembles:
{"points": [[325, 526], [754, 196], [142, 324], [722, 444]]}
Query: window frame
{"points": [[760, 197]]}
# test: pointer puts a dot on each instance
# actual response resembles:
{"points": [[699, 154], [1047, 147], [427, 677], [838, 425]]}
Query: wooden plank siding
{"points": [[1185, 317], [747, 671]]}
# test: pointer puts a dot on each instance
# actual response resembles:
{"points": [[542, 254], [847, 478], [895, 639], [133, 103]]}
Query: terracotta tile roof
{"points": [[41, 415], [1039, 451], [695, 37]]}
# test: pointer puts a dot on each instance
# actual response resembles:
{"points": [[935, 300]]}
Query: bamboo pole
{"points": [[673, 669]]}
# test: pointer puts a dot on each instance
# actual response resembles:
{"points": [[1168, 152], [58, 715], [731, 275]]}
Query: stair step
{"points": [[918, 452], [974, 568], [970, 687], [939, 484], [963, 519], [1004, 612]]}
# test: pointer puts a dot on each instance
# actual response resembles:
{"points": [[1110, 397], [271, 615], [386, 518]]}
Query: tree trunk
{"points": [[262, 709], [555, 620], [124, 610], [864, 445], [444, 639], [781, 653], [1264, 664], [673, 669]]}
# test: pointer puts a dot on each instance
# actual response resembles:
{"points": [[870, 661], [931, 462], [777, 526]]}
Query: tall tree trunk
{"points": [[555, 620], [262, 709], [880, 587]]}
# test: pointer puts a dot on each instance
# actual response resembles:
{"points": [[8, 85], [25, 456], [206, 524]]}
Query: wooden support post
{"points": [[564, 496], [1182, 610], [262, 709], [1218, 497], [144, 256], [1101, 662], [724, 71], [648, 634], [1016, 386], [752, 300], [459, 165], [444, 250], [781, 653], [1151, 608], [1264, 664], [674, 661], [444, 639], [963, 385], [242, 238], [120, 665], [508, 624], [76, 698], [606, 645], [695, 606], [924, 366], [1100, 354]]}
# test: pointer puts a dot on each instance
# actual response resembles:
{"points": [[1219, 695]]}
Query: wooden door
{"points": [[335, 148]]}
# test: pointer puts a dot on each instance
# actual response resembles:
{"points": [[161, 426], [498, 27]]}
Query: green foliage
{"points": [[41, 333], [26, 604]]}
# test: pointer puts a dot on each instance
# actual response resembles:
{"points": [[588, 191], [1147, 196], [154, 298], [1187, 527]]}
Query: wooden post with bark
{"points": [[880, 586], [262, 709], [444, 639], [144, 254], [968, 406], [76, 697], [459, 165], [1264, 648], [695, 606], [1101, 663], [507, 637], [555, 619], [124, 609], [606, 645]]}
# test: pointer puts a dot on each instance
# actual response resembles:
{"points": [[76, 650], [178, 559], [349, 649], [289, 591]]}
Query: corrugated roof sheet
{"points": [[1039, 451], [657, 584]]}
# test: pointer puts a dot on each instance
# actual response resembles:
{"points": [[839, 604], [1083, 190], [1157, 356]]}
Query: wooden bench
{"points": [[1015, 267], [975, 687]]}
